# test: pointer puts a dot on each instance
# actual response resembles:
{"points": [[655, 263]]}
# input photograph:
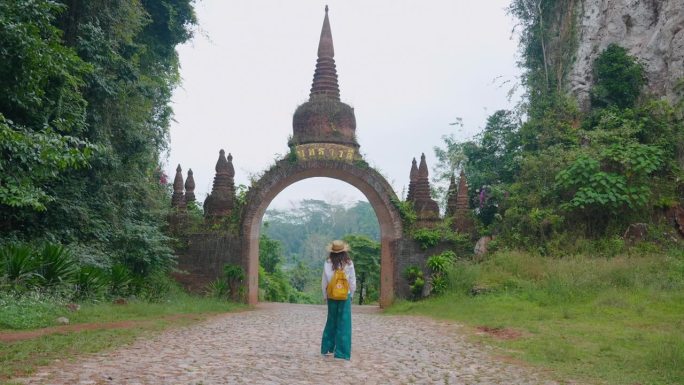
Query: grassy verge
{"points": [[605, 321], [22, 357]]}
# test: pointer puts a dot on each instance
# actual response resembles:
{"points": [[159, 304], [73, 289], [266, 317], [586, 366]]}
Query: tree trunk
{"points": [[543, 44]]}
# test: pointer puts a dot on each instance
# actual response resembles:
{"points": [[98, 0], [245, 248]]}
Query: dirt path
{"points": [[13, 336], [279, 344]]}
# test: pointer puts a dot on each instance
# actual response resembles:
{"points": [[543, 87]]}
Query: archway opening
{"points": [[370, 183], [296, 228]]}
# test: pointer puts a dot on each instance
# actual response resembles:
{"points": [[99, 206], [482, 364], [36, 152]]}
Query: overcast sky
{"points": [[409, 68]]}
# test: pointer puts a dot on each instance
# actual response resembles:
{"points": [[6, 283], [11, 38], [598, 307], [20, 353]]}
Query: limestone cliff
{"points": [[652, 30]]}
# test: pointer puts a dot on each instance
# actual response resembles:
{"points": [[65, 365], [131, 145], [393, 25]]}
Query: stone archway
{"points": [[373, 185]]}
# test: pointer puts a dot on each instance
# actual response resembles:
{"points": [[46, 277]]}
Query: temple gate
{"points": [[323, 144]]}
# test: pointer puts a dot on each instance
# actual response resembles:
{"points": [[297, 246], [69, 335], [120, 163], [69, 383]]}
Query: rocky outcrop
{"points": [[652, 31]]}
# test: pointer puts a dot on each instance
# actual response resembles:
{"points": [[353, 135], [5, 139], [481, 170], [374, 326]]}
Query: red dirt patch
{"points": [[500, 333], [65, 329]]}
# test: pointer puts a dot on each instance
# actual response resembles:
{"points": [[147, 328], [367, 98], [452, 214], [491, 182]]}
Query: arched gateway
{"points": [[323, 144], [367, 180]]}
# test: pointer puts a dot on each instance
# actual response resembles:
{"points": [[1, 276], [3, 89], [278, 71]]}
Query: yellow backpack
{"points": [[338, 287]]}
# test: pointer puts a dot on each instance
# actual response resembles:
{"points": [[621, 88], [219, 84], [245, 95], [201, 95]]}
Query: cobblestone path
{"points": [[279, 344]]}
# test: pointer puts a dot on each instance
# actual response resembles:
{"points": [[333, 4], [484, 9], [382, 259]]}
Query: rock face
{"points": [[652, 31]]}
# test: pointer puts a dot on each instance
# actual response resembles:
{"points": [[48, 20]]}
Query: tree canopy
{"points": [[85, 90]]}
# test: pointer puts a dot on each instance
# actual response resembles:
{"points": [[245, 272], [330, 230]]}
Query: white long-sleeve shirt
{"points": [[328, 274]]}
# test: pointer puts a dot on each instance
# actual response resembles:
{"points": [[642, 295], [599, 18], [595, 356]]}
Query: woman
{"points": [[337, 333]]}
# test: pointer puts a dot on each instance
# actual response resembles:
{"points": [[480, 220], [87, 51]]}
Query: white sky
{"points": [[408, 67]]}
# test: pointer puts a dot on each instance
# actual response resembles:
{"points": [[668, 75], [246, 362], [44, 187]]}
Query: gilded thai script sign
{"points": [[329, 151]]}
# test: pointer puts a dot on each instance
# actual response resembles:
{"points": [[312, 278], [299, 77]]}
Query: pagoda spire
{"points": [[190, 187], [423, 168], [463, 221], [413, 178], [222, 198], [325, 77], [427, 210], [178, 198], [324, 118], [451, 198]]}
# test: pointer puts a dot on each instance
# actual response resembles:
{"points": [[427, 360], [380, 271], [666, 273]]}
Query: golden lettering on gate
{"points": [[326, 151]]}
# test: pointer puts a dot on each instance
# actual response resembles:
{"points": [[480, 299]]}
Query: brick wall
{"points": [[203, 259]]}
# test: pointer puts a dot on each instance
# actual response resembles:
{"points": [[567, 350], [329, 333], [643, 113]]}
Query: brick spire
{"points": [[451, 197], [427, 210], [178, 198], [190, 187], [325, 76], [221, 200], [413, 178], [324, 118], [463, 221], [462, 197]]}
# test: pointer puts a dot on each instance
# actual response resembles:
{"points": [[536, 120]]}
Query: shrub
{"points": [[440, 263], [427, 238], [17, 266], [414, 276], [90, 282], [234, 275], [57, 266], [120, 280], [619, 78], [218, 288]]}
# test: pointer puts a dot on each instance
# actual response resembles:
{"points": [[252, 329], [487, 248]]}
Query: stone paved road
{"points": [[279, 344]]}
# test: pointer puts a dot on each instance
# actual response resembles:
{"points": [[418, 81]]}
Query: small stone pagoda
{"points": [[457, 206], [452, 193], [426, 208], [190, 187], [221, 201], [178, 198]]}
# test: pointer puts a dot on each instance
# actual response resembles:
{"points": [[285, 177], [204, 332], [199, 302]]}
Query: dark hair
{"points": [[339, 260]]}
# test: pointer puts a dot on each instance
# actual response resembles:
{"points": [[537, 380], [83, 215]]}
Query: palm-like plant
{"points": [[234, 276], [56, 266], [17, 266], [90, 282], [120, 280]]}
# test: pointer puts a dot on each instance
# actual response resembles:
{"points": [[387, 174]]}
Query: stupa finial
{"points": [[325, 76]]}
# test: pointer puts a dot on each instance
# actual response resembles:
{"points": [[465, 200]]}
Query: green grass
{"points": [[31, 311], [22, 357], [597, 320]]}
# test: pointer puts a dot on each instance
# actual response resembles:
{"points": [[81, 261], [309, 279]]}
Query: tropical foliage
{"points": [[84, 115], [565, 172]]}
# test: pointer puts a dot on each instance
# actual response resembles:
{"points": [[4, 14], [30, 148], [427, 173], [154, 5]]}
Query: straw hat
{"points": [[337, 246]]}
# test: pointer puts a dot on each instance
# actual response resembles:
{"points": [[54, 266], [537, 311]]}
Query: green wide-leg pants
{"points": [[337, 333]]}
